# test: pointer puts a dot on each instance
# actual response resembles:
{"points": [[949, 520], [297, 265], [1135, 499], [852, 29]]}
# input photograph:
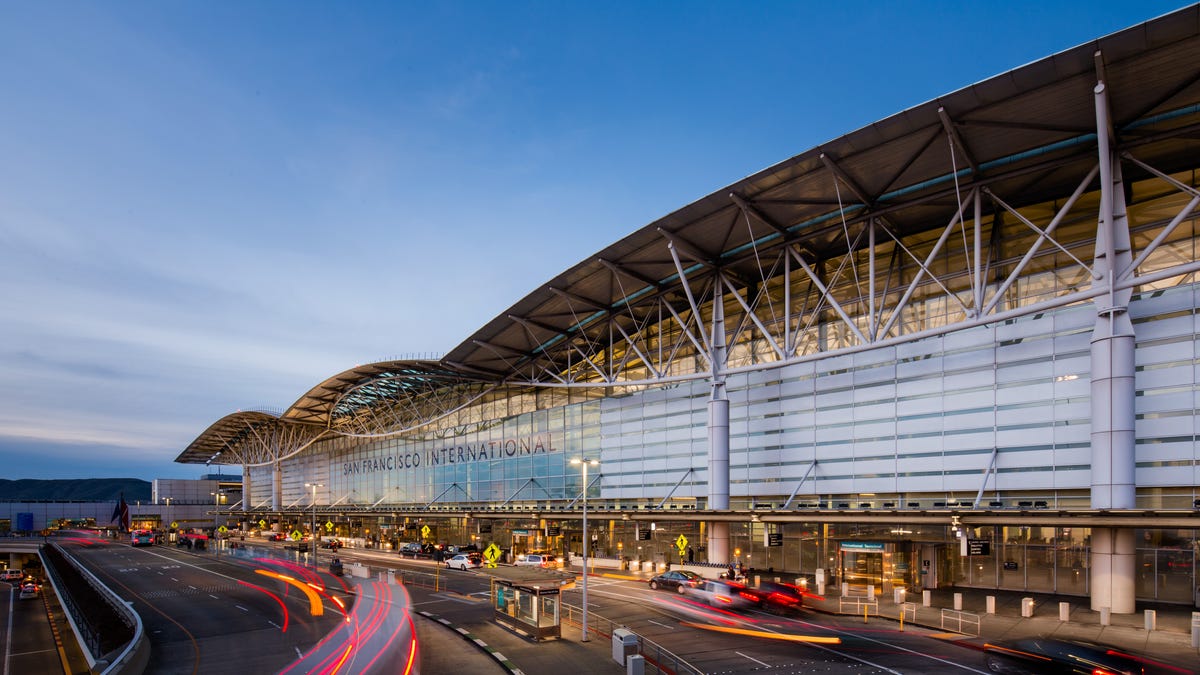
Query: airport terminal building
{"points": [[957, 346]]}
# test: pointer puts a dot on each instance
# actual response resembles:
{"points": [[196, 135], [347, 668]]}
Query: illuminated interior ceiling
{"points": [[385, 397]]}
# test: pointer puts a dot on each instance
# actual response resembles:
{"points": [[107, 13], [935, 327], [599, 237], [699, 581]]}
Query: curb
{"points": [[495, 654]]}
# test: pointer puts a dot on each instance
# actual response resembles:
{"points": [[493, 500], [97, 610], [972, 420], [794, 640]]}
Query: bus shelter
{"points": [[531, 609]]}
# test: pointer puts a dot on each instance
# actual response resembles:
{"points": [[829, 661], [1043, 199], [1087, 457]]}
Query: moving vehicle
{"points": [[11, 575], [676, 579], [465, 561], [28, 591], [1048, 656], [537, 560], [141, 538], [275, 536], [723, 594], [333, 544], [779, 597]]}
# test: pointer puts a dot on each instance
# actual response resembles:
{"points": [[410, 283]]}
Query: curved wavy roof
{"points": [[1030, 132], [1027, 131]]}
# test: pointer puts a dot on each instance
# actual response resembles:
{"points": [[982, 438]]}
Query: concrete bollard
{"points": [[1195, 630], [991, 604], [870, 591], [1106, 616], [1026, 607], [898, 596], [820, 587], [1151, 619], [758, 581], [926, 598], [845, 589], [1064, 611], [958, 602]]}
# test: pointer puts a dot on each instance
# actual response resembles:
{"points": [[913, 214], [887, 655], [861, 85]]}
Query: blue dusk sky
{"points": [[210, 207]]}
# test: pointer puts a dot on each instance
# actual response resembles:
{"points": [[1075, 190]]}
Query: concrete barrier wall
{"points": [[135, 656]]}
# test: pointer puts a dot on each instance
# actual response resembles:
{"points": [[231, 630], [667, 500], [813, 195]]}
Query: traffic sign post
{"points": [[492, 554]]}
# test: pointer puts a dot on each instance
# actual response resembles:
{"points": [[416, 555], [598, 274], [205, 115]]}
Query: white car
{"points": [[465, 561], [722, 594], [536, 560], [29, 591]]}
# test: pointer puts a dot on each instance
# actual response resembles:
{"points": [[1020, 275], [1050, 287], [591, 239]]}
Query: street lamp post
{"points": [[314, 487], [584, 463], [216, 540]]}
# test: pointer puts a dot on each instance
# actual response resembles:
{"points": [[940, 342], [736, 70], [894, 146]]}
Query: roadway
{"points": [[212, 613], [215, 613], [712, 640]]}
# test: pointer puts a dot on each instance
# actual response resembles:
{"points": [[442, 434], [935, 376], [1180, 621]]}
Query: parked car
{"points": [[333, 544], [411, 548], [676, 579], [537, 560], [29, 591], [465, 561], [723, 594], [1044, 656]]}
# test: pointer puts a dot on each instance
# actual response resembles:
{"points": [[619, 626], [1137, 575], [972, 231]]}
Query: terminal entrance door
{"points": [[862, 564]]}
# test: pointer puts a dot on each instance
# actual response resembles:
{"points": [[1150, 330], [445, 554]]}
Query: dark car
{"points": [[1044, 656], [675, 579], [334, 544]]}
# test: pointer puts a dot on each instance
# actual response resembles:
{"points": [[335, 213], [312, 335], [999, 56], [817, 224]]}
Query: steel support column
{"points": [[718, 435], [276, 486], [1113, 387]]}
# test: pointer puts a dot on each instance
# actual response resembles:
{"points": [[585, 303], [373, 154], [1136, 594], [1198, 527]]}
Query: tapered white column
{"points": [[718, 438], [1113, 386]]}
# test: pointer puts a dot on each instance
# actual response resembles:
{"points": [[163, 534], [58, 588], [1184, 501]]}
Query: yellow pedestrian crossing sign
{"points": [[174, 525], [261, 523], [328, 525], [222, 529], [681, 543], [296, 535], [425, 531], [492, 553]]}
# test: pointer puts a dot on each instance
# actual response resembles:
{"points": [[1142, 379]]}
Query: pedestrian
{"points": [[731, 573], [691, 555]]}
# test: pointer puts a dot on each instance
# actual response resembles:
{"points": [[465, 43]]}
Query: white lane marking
{"points": [[274, 624], [242, 608], [39, 651], [299, 655], [889, 645], [761, 663], [660, 624], [174, 579], [213, 596], [193, 588]]}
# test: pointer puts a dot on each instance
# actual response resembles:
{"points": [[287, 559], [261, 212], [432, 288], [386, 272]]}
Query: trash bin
{"points": [[624, 643]]}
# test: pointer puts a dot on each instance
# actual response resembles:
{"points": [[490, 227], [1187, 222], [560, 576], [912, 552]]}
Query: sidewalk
{"points": [[1170, 641], [508, 650], [972, 627]]}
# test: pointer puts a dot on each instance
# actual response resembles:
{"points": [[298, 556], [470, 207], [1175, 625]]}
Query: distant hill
{"points": [[81, 489]]}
